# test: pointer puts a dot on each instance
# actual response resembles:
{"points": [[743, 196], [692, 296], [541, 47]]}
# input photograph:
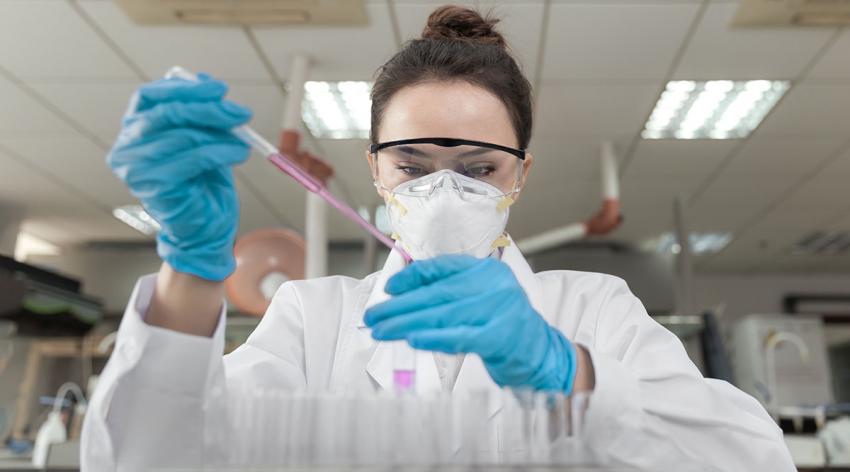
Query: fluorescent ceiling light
{"points": [[701, 243], [28, 245], [137, 218], [713, 109], [337, 110], [823, 242]]}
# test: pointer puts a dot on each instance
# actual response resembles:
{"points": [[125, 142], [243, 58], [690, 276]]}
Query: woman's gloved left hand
{"points": [[457, 304]]}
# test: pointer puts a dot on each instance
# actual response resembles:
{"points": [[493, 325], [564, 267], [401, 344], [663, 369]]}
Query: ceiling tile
{"points": [[809, 264], [224, 52], [76, 161], [266, 101], [733, 201], [615, 42], [646, 190], [337, 53], [763, 156], [563, 185], [17, 181], [814, 204], [557, 160], [520, 24], [348, 157], [22, 115], [675, 158], [747, 253], [825, 194], [54, 212], [542, 208], [717, 51], [58, 43], [285, 197], [593, 110], [834, 64], [811, 109], [644, 216], [843, 222], [96, 105], [840, 165]]}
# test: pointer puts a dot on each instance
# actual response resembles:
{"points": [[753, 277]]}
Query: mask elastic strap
{"points": [[505, 202], [391, 200], [501, 241]]}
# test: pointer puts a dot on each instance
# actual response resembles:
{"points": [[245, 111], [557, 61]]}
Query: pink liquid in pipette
{"points": [[404, 380], [290, 168]]}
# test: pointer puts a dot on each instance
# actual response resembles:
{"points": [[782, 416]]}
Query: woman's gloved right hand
{"points": [[175, 153]]}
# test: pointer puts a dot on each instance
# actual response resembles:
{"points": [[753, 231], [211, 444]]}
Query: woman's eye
{"points": [[409, 170], [482, 171]]}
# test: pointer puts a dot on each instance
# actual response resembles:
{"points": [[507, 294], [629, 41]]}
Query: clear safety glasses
{"points": [[399, 162]]}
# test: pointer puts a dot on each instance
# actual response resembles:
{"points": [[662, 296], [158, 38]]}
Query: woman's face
{"points": [[453, 110]]}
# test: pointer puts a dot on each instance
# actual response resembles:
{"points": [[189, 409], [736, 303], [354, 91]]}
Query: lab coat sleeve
{"points": [[651, 408], [161, 398]]}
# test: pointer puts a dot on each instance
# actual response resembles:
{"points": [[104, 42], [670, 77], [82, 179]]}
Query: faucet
{"points": [[771, 342]]}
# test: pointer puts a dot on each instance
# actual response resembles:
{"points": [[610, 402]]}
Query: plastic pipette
{"points": [[290, 168]]}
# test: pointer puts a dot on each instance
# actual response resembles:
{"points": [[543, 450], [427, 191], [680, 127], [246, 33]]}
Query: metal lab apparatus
{"points": [[781, 360]]}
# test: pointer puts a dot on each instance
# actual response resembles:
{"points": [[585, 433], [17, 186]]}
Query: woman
{"points": [[451, 119]]}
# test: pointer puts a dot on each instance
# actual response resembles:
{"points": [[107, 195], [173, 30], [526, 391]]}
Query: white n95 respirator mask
{"points": [[445, 212]]}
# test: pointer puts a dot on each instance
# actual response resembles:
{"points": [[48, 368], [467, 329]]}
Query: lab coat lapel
{"points": [[473, 375], [380, 365]]}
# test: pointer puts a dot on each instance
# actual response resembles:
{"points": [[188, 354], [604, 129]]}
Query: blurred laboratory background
{"points": [[699, 149]]}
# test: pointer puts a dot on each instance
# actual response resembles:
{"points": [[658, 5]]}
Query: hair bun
{"points": [[452, 22]]}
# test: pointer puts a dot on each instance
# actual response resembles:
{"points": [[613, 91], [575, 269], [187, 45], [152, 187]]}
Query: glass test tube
{"points": [[404, 367]]}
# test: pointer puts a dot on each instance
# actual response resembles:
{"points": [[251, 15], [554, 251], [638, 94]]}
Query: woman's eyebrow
{"points": [[412, 151], [475, 152]]}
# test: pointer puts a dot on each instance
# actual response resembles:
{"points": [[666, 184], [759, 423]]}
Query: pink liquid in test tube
{"points": [[404, 367], [404, 380]]}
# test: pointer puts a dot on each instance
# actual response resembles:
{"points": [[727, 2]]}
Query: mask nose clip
{"points": [[445, 180]]}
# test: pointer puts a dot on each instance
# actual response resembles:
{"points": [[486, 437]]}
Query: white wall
{"points": [[10, 224], [761, 293]]}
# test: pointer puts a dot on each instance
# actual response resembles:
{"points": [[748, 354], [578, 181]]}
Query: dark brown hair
{"points": [[457, 44]]}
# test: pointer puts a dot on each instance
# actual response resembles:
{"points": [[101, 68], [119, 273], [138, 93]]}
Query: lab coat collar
{"points": [[473, 376]]}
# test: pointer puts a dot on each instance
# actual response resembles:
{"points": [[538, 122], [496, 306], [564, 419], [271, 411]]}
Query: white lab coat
{"points": [[650, 408]]}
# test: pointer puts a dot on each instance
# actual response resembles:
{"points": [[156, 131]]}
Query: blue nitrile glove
{"points": [[175, 153], [459, 304]]}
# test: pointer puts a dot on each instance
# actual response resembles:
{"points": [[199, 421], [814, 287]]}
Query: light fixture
{"points": [[136, 217], [701, 243], [337, 110], [28, 245], [713, 109], [822, 242]]}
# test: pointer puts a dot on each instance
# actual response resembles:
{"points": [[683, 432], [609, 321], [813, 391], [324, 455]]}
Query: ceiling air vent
{"points": [[793, 13], [823, 242], [246, 12]]}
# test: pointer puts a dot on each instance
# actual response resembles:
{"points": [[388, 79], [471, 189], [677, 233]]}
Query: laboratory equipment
{"points": [[265, 259], [53, 431], [781, 360], [836, 440], [290, 168], [43, 303], [486, 427]]}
